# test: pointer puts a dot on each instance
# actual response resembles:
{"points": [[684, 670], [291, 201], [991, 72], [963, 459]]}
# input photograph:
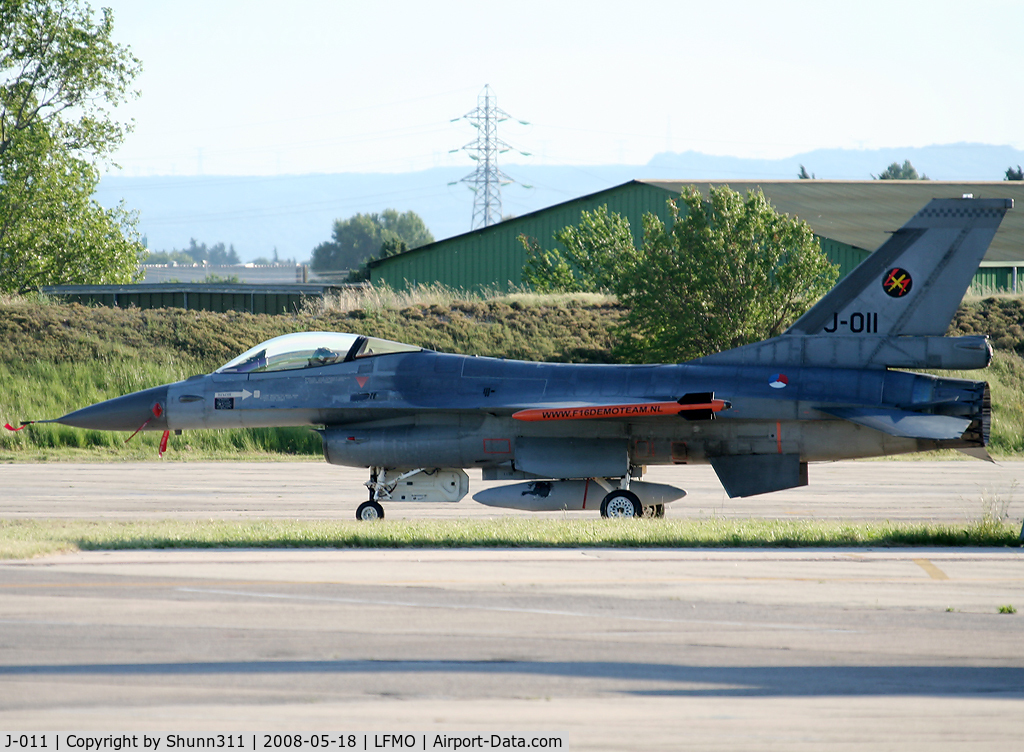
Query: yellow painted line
{"points": [[933, 571]]}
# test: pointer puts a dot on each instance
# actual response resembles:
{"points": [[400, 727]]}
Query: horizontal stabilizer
{"points": [[903, 423], [979, 453], [830, 351], [752, 474]]}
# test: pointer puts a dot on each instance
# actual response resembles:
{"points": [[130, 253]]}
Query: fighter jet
{"points": [[582, 436]]}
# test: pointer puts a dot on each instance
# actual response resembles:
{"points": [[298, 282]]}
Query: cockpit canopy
{"points": [[291, 352]]}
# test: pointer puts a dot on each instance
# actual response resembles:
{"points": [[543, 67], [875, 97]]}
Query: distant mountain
{"points": [[946, 162], [293, 213]]}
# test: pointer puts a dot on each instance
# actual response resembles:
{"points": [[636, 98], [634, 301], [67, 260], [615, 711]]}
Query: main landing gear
{"points": [[619, 504], [622, 503]]}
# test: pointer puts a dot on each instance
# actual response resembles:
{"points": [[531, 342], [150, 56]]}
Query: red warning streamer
{"points": [[137, 430], [158, 410]]}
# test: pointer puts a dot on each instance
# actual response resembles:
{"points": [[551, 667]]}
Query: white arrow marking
{"points": [[244, 394]]}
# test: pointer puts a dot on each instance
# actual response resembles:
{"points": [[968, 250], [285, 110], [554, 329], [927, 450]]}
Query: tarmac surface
{"points": [[601, 649], [926, 490]]}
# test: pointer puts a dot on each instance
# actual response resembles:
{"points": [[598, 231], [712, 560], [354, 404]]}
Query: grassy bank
{"points": [[28, 538], [55, 358]]}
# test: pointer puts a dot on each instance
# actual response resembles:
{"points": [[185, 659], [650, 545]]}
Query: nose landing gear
{"points": [[369, 511]]}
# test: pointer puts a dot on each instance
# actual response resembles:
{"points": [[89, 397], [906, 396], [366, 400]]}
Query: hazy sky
{"points": [[265, 88]]}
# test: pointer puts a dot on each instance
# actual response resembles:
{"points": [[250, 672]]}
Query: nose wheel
{"points": [[369, 511]]}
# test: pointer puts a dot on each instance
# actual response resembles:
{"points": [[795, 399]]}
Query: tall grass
{"points": [[26, 538], [44, 390], [378, 298], [57, 357], [1006, 380]]}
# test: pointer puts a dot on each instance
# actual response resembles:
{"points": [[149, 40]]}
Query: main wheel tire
{"points": [[622, 504], [369, 511]]}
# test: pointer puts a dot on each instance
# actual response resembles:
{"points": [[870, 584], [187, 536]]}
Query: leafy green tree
{"points": [[725, 272], [180, 258], [392, 245], [197, 253], [596, 251], [803, 175], [547, 271], [1012, 174], [363, 237], [408, 227], [60, 73], [218, 255], [51, 231], [897, 171]]}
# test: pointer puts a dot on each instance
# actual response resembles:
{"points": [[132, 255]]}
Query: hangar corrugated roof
{"points": [[861, 213]]}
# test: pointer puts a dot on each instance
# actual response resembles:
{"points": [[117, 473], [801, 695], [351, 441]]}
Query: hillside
{"points": [[570, 331], [55, 358]]}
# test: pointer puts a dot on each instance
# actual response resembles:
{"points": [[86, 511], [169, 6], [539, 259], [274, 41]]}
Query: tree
{"points": [[59, 75], [176, 257], [897, 171], [62, 71], [51, 231], [725, 272], [1012, 174], [802, 175], [547, 271], [363, 237], [197, 253], [218, 255], [596, 252]]}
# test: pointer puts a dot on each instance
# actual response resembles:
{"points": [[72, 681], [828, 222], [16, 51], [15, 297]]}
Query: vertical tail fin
{"points": [[915, 281]]}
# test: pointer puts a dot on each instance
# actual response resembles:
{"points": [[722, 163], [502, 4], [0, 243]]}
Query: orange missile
{"points": [[638, 410]]}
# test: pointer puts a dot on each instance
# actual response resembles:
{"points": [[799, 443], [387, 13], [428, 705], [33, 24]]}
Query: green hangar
{"points": [[850, 218]]}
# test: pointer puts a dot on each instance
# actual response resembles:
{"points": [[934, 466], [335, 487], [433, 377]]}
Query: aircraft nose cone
{"points": [[125, 413]]}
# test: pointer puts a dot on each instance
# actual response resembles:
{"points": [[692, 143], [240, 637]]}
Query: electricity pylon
{"points": [[487, 179]]}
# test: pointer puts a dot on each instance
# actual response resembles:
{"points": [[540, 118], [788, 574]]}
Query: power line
{"points": [[486, 180]]}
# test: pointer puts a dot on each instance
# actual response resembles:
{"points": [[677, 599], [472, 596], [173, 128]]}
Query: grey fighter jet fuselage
{"points": [[580, 436]]}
